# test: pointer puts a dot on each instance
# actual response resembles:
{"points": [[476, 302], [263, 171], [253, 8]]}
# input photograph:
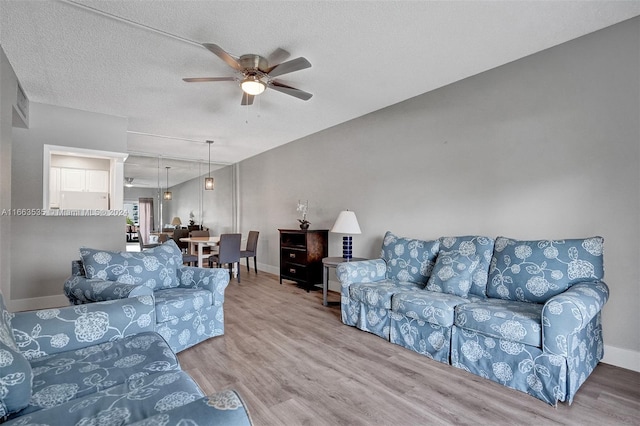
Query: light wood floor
{"points": [[295, 363]]}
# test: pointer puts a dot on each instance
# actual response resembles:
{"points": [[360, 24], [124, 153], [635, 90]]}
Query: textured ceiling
{"points": [[128, 58]]}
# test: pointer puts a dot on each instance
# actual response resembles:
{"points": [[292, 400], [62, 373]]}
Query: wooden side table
{"points": [[332, 262], [301, 254]]}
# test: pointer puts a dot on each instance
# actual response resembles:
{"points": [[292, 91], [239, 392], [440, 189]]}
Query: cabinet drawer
{"points": [[294, 271], [294, 256]]}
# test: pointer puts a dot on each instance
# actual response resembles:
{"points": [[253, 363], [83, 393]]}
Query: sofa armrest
{"points": [[221, 408], [213, 279], [80, 289], [49, 331], [568, 313], [363, 271]]}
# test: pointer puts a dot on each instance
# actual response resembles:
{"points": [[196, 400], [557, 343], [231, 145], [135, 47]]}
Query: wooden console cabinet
{"points": [[301, 254]]}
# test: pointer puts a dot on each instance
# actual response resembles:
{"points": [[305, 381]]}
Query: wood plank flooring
{"points": [[295, 363]]}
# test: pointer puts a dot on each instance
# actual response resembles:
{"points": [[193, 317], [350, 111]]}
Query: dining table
{"points": [[197, 244]]}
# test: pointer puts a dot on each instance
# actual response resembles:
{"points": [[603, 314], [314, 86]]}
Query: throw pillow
{"points": [[168, 250], [535, 271], [409, 259], [453, 272], [154, 268], [472, 244]]}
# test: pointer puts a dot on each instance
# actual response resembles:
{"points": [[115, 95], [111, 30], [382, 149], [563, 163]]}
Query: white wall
{"points": [[544, 147], [43, 247], [8, 87]]}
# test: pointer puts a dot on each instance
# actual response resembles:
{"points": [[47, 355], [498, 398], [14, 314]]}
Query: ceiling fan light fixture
{"points": [[252, 85]]}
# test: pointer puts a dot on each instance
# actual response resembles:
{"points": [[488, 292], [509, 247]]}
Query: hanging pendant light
{"points": [[167, 194], [208, 181]]}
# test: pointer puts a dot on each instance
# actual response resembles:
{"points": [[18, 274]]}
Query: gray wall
{"points": [[43, 247], [544, 147]]}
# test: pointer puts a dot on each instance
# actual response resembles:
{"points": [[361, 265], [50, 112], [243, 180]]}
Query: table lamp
{"points": [[176, 222], [346, 223]]}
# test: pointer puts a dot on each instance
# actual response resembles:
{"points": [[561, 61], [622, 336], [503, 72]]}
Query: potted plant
{"points": [[303, 208]]}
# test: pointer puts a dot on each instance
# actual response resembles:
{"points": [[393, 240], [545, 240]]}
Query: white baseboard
{"points": [[35, 303], [623, 358], [268, 268]]}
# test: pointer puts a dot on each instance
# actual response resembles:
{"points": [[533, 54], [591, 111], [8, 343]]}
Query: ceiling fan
{"points": [[128, 182], [255, 73]]}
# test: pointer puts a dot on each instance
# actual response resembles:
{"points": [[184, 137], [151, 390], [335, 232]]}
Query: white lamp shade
{"points": [[346, 223]]}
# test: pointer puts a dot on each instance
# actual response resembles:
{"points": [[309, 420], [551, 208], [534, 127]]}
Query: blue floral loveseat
{"points": [[188, 301], [100, 364], [526, 314]]}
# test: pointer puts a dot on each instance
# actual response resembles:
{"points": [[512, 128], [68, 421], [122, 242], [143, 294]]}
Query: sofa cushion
{"points": [[430, 306], [222, 408], [15, 371], [144, 395], [534, 271], [74, 374], [175, 302], [515, 322], [453, 272], [468, 245], [378, 294], [154, 268], [408, 260]]}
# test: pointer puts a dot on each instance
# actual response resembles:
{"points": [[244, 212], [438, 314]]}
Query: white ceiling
{"points": [[128, 58]]}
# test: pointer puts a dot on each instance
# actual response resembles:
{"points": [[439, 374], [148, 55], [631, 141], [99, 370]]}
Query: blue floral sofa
{"points": [[525, 314], [188, 301], [100, 364]]}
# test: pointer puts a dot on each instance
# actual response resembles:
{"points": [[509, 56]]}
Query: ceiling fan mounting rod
{"points": [[255, 62]]}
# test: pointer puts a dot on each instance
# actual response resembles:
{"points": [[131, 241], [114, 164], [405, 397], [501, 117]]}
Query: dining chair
{"points": [[202, 233], [142, 243], [181, 233], [228, 252], [251, 249], [187, 258]]}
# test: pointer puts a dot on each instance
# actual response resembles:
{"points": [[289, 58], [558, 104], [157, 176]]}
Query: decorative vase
{"points": [[304, 225]]}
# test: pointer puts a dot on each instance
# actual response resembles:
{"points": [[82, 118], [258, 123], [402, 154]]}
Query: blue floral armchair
{"points": [[188, 301], [99, 363], [526, 314]]}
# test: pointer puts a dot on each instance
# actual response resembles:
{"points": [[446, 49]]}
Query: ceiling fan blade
{"points": [[292, 91], [203, 79], [222, 54], [289, 66], [277, 56], [247, 99]]}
